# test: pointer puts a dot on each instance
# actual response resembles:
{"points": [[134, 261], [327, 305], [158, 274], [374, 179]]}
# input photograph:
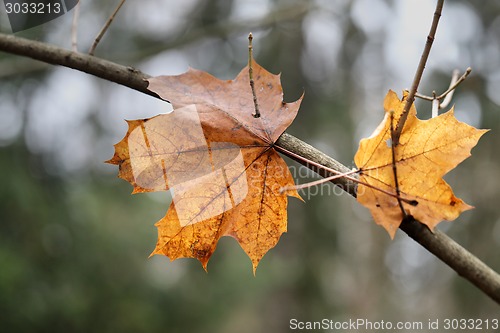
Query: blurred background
{"points": [[74, 244]]}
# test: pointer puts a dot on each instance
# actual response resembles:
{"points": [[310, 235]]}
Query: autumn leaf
{"points": [[218, 160], [427, 150]]}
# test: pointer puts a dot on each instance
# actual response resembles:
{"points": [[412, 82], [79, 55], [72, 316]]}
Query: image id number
{"points": [[471, 324], [33, 8]]}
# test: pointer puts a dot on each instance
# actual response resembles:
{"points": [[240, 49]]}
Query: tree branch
{"points": [[126, 76], [418, 74], [451, 253]]}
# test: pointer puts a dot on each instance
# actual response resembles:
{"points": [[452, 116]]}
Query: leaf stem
{"points": [[337, 175], [250, 74], [317, 182], [418, 74]]}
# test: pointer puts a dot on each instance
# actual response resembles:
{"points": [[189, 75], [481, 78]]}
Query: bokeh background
{"points": [[74, 244]]}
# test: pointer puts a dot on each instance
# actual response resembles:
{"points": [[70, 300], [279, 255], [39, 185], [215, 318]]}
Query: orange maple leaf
{"points": [[217, 158], [427, 150]]}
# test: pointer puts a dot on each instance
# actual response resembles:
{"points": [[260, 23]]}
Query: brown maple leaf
{"points": [[427, 150], [217, 158]]}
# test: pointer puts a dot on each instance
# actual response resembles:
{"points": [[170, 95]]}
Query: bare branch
{"points": [[435, 107], [250, 76], [418, 74], [74, 28], [394, 168], [448, 94], [105, 28], [54, 55], [455, 82]]}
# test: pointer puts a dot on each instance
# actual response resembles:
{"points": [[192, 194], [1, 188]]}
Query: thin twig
{"points": [[451, 88], [424, 97], [337, 174], [442, 246], [448, 94], [395, 169], [317, 182], [418, 74], [250, 75], [105, 28], [74, 28], [454, 86], [435, 107]]}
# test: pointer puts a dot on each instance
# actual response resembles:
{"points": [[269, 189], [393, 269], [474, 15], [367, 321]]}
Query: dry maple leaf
{"points": [[218, 160], [427, 150]]}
